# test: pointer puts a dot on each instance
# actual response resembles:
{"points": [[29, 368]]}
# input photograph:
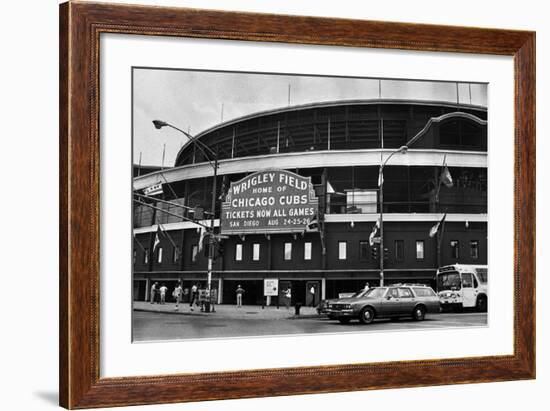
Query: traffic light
{"points": [[386, 254], [374, 253]]}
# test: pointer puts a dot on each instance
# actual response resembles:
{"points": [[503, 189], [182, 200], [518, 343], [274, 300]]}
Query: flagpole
{"points": [[381, 252]]}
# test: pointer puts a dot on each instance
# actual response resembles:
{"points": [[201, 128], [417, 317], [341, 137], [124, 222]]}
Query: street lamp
{"points": [[208, 153], [159, 124], [402, 150]]}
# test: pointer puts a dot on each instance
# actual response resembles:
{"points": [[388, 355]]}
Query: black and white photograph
{"points": [[291, 204]]}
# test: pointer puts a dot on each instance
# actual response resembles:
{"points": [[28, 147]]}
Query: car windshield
{"points": [[377, 292], [448, 281]]}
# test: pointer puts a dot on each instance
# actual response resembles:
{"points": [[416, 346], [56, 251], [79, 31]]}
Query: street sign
{"points": [[203, 295], [153, 190], [269, 201], [271, 287]]}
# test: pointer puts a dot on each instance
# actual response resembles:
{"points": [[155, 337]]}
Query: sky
{"points": [[197, 100]]}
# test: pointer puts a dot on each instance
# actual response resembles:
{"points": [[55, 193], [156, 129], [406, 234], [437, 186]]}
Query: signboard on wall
{"points": [[271, 287], [270, 201]]}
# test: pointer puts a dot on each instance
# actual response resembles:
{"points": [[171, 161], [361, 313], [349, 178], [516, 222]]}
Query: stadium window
{"points": [[159, 255], [176, 254], [474, 249], [364, 250], [419, 249], [307, 251], [288, 251], [454, 249], [146, 256], [194, 253], [256, 252], [342, 250], [238, 252], [399, 250]]}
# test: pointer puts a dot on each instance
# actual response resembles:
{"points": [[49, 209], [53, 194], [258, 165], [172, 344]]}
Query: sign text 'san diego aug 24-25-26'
{"points": [[269, 201]]}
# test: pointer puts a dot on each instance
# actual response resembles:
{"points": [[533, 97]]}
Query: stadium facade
{"points": [[332, 150]]}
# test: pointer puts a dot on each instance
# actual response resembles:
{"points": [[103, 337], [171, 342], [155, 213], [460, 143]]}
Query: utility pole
{"points": [[208, 154], [211, 240], [381, 252]]}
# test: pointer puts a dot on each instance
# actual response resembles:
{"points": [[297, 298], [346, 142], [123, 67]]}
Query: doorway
{"points": [[313, 293]]}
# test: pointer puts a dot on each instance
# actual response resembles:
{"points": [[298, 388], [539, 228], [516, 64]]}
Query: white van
{"points": [[462, 286]]}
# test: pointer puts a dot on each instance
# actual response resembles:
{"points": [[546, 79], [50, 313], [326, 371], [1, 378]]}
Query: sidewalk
{"points": [[230, 311]]}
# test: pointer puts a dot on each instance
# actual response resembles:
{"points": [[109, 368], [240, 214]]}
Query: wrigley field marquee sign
{"points": [[270, 201]]}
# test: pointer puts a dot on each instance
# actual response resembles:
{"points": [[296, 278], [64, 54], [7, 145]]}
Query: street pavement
{"points": [[155, 322]]}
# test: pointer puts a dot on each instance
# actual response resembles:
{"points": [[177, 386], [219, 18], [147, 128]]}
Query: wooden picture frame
{"points": [[80, 27]]}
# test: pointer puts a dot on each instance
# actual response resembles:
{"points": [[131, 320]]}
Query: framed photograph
{"points": [[261, 205]]}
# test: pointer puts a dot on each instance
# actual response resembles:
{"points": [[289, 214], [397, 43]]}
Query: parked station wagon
{"points": [[394, 301]]}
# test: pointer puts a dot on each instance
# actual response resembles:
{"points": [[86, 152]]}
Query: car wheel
{"points": [[419, 313], [481, 304], [367, 315], [344, 320]]}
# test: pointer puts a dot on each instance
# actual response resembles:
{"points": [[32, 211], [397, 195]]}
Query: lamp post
{"points": [[208, 153], [402, 150]]}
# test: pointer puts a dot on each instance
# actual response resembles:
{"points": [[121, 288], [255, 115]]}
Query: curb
{"points": [[202, 314], [198, 314]]}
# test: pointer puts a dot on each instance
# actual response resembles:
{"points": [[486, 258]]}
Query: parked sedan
{"points": [[395, 301]]}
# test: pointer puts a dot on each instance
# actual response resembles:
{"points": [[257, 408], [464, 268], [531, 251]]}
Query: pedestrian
{"points": [[194, 291], [163, 290], [288, 296], [312, 293], [154, 292], [240, 292], [177, 294], [367, 286]]}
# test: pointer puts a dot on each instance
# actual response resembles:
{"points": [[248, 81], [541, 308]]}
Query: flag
{"points": [[373, 232], [157, 239], [446, 177], [331, 190], [380, 177], [201, 238], [313, 225], [435, 228], [223, 189]]}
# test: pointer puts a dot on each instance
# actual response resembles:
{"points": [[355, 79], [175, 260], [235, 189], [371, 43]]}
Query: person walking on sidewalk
{"points": [[154, 292], [178, 292], [240, 292], [288, 296], [194, 292], [163, 290], [312, 293]]}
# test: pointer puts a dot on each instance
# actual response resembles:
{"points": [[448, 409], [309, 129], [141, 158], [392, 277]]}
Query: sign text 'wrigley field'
{"points": [[269, 201]]}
